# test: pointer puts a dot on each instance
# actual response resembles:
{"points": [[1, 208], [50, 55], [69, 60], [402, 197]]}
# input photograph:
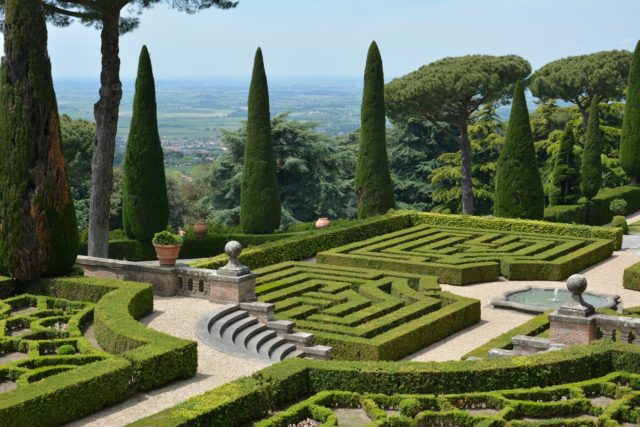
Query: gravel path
{"points": [[177, 316]]}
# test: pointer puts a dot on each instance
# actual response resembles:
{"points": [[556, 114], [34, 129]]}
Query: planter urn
{"points": [[323, 223], [167, 254], [200, 229]]}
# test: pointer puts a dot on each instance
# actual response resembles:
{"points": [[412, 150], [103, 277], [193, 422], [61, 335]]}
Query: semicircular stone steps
{"points": [[232, 329]]}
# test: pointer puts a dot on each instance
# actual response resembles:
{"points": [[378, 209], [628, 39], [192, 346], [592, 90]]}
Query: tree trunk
{"points": [[585, 119], [465, 165], [106, 115]]}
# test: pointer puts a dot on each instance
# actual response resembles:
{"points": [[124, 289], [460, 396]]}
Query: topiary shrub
{"points": [[166, 238], [618, 207], [620, 222], [66, 350], [410, 407]]}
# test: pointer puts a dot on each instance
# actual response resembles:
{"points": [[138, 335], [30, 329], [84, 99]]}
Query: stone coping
{"points": [[502, 301]]}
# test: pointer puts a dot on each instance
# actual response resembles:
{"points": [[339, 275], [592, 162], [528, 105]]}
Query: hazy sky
{"points": [[311, 38]]}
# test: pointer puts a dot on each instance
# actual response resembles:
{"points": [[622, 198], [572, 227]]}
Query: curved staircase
{"points": [[233, 329]]}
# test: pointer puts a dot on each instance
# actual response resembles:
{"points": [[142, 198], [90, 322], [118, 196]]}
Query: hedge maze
{"points": [[612, 400], [460, 256], [40, 336], [365, 314]]}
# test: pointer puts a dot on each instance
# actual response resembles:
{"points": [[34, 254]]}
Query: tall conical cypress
{"points": [[38, 232], [591, 168], [564, 177], [260, 193], [145, 205], [519, 192], [630, 142], [374, 188]]}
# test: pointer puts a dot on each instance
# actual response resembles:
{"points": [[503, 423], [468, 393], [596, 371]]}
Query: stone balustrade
{"points": [[615, 328]]}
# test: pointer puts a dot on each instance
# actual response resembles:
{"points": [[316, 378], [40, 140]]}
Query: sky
{"points": [[330, 38]]}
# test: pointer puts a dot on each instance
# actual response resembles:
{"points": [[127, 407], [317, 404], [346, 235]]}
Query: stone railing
{"points": [[621, 329], [233, 283]]}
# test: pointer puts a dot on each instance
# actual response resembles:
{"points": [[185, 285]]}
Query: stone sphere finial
{"points": [[577, 284], [233, 249]]}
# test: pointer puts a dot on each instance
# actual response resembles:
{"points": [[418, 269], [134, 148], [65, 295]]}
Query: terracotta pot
{"points": [[323, 223], [167, 254], [200, 229]]}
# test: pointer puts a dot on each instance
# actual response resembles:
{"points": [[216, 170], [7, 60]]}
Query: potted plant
{"points": [[323, 223], [167, 246], [200, 227]]}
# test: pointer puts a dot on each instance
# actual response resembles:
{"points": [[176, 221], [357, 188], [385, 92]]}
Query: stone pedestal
{"points": [[226, 289], [571, 330], [574, 323]]}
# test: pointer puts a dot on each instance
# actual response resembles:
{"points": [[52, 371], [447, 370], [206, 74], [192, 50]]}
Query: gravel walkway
{"points": [[177, 316]]}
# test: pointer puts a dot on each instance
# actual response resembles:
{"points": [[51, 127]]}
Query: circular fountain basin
{"points": [[539, 300]]}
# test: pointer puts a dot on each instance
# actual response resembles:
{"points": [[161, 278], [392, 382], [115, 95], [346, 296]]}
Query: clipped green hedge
{"points": [[598, 212], [364, 314], [571, 214], [309, 244], [631, 278], [226, 406], [157, 358], [394, 251]]}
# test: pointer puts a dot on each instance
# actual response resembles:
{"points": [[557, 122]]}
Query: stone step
{"points": [[281, 352], [320, 352], [254, 344], [231, 332], [224, 322], [269, 346], [242, 339], [294, 354]]}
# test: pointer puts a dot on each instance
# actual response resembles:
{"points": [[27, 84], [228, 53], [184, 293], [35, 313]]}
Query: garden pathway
{"points": [[177, 316]]}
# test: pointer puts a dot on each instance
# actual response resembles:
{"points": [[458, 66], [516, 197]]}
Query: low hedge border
{"points": [[631, 277], [307, 246], [249, 399], [557, 405], [157, 358], [375, 315]]}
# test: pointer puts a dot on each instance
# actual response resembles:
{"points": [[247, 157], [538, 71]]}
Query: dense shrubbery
{"points": [[248, 399]]}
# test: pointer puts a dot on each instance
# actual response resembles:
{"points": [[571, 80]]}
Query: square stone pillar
{"points": [[571, 330], [233, 283]]}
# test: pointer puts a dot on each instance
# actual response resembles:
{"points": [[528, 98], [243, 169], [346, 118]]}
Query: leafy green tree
{"points": [[315, 173], [107, 16], [259, 193], [577, 79], [591, 168], [565, 177], [486, 133], [448, 92], [38, 232], [145, 206], [630, 143], [414, 148], [78, 137], [519, 192], [374, 188]]}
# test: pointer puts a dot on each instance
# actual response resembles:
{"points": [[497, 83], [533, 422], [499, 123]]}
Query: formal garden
{"points": [[246, 310]]}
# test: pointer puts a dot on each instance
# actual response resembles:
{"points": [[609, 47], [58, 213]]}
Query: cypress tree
{"points": [[145, 205], [259, 194], [38, 232], [630, 143], [565, 177], [591, 168], [374, 188], [519, 192]]}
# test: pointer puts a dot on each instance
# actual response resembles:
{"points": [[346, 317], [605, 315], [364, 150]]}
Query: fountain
{"points": [[539, 300]]}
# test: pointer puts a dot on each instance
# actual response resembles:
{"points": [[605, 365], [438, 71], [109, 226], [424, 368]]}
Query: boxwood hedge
{"points": [[249, 399], [631, 278]]}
